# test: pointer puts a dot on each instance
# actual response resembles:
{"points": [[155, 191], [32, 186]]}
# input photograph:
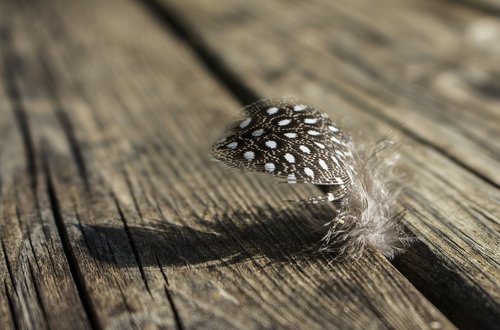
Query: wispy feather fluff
{"points": [[368, 216], [292, 140]]}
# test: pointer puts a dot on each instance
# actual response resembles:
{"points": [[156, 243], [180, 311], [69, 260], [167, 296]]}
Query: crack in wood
{"points": [[38, 293], [9, 266], [212, 62], [12, 308], [30, 242], [131, 241], [178, 320], [71, 259], [477, 300]]}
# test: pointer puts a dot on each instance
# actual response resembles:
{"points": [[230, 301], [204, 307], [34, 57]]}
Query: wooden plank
{"points": [[162, 237], [285, 49], [37, 290], [117, 296]]}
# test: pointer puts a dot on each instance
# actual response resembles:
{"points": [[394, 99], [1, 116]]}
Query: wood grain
{"points": [[34, 267], [146, 232], [336, 56]]}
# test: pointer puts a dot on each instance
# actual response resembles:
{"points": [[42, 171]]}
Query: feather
{"points": [[297, 143], [368, 217]]}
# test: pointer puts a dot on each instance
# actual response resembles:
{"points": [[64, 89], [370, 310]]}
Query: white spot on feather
{"points": [[305, 149], [309, 172], [284, 122], [299, 107], [323, 164], [271, 144], [313, 132], [272, 111], [232, 145], [334, 139], [245, 122], [291, 135], [321, 145], [249, 155], [269, 167], [311, 120], [258, 132], [289, 158]]}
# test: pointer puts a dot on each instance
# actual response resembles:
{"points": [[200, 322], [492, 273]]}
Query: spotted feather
{"points": [[289, 140], [296, 142]]}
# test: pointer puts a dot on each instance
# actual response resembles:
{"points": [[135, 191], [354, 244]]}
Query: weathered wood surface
{"points": [[402, 67], [112, 215]]}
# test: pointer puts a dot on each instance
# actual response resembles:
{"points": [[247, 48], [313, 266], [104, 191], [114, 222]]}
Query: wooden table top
{"points": [[112, 214]]}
